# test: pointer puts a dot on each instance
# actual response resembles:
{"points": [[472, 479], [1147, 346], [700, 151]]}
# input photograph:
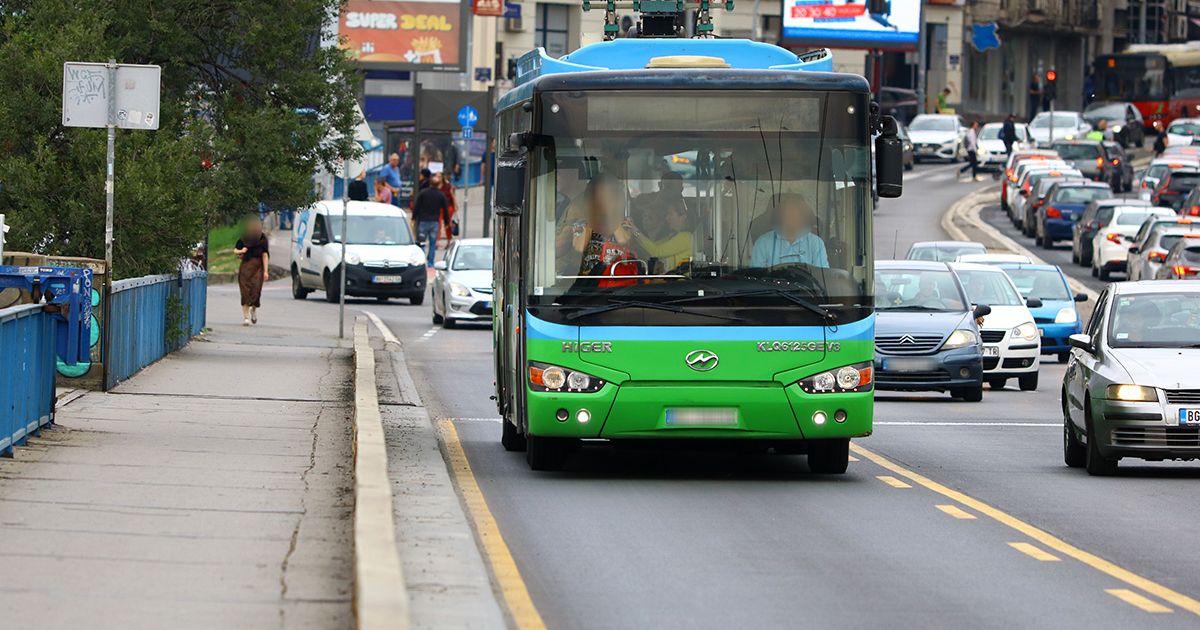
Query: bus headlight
{"points": [[1065, 316], [960, 338], [544, 377], [1027, 331], [858, 377]]}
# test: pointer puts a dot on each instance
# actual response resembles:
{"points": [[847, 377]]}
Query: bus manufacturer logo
{"points": [[701, 360]]}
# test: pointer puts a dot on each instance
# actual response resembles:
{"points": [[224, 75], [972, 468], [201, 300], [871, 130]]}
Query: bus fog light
{"points": [[839, 416], [583, 415], [819, 418], [561, 415]]}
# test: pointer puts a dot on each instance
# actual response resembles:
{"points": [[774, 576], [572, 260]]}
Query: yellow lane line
{"points": [[956, 512], [1135, 599], [504, 569], [851, 458], [892, 481], [1100, 564], [1035, 552]]}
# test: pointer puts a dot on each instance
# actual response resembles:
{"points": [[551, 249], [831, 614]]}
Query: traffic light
{"points": [[1051, 85]]}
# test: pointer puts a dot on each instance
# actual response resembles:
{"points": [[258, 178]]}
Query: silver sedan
{"points": [[462, 286], [1132, 388]]}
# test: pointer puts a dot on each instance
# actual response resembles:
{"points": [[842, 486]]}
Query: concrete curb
{"points": [[966, 211], [380, 595]]}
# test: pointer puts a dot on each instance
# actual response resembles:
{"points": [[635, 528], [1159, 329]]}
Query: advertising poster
{"points": [[850, 24], [405, 35]]}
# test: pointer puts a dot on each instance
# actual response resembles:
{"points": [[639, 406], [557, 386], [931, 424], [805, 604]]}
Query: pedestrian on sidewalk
{"points": [[970, 144], [383, 194], [1160, 143], [451, 206], [254, 269], [391, 174], [941, 101], [1035, 95], [428, 215], [358, 188], [1008, 134]]}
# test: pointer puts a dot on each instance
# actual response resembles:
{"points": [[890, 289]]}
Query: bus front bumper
{"points": [[766, 411]]}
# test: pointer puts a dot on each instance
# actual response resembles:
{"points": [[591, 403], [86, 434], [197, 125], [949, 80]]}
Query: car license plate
{"points": [[702, 417], [991, 351], [905, 364], [388, 279], [1189, 417]]}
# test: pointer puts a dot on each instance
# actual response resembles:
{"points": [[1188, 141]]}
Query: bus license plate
{"points": [[388, 279], [1189, 417], [702, 417], [991, 351]]}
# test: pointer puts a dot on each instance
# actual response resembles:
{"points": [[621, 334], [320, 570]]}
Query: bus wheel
{"points": [[829, 457], [511, 438], [545, 453]]}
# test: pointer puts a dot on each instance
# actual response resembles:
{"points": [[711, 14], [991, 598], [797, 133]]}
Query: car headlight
{"points": [[416, 258], [960, 339], [544, 377], [1116, 128], [1069, 136], [858, 377], [458, 290], [1066, 316], [352, 259], [1026, 331], [948, 144], [1131, 393]]}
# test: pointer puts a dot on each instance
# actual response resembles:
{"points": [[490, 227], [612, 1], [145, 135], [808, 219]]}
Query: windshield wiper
{"points": [[910, 307], [825, 313], [614, 306]]}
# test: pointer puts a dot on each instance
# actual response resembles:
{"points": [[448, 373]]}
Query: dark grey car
{"points": [[1131, 387]]}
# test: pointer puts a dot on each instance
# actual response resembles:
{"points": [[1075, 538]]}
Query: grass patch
{"points": [[220, 249]]}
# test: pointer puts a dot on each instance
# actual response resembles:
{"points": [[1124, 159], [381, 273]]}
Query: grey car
{"points": [[1131, 388]]}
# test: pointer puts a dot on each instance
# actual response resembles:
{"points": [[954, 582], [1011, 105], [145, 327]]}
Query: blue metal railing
{"points": [[26, 373], [150, 317]]}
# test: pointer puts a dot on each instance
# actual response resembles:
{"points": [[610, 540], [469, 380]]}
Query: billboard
{"points": [[406, 34], [850, 24]]}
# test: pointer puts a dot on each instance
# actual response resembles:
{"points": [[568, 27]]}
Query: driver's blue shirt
{"points": [[773, 249]]}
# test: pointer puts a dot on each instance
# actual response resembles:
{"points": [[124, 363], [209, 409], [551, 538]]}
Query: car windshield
{"points": [[471, 257], [1191, 254], [932, 123], [913, 290], [1078, 151], [990, 131], [1132, 218], [1063, 121], [1183, 181], [1044, 284], [725, 199], [1155, 320], [1106, 111], [945, 252], [1184, 128], [988, 287], [372, 230], [1167, 241], [1081, 194]]}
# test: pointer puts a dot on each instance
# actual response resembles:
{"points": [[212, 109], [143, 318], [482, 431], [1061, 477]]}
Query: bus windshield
{"points": [[1131, 78], [702, 199]]}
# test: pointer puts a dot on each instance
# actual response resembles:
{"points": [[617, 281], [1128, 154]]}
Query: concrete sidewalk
{"points": [[212, 490]]}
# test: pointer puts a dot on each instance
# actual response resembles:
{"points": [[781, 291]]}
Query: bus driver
{"points": [[792, 240]]}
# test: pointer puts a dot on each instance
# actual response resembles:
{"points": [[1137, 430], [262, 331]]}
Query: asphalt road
{"points": [[970, 520]]}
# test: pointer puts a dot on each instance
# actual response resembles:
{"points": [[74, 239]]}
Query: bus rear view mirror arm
{"points": [[889, 160]]}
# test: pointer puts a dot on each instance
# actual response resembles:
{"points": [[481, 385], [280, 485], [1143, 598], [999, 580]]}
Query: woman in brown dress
{"points": [[252, 248]]}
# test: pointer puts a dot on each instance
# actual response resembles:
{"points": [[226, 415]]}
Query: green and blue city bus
{"points": [[683, 248]]}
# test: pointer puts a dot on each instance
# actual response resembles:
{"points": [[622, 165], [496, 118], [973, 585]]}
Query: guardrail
{"points": [[26, 373], [150, 317]]}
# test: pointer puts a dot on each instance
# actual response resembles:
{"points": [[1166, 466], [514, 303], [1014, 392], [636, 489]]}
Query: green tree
{"points": [[252, 105]]}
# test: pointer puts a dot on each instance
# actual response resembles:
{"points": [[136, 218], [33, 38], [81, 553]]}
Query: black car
{"points": [[1191, 204], [1123, 120], [1090, 157], [1095, 217], [906, 146], [1172, 189], [1122, 169]]}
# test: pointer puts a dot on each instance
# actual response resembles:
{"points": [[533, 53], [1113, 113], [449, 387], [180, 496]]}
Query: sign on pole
{"points": [[86, 92]]}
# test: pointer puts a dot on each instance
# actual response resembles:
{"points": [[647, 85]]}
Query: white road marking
{"points": [[967, 424], [926, 172], [476, 419], [383, 329], [428, 334]]}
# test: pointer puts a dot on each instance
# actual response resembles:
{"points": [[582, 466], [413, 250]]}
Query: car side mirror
{"points": [[1033, 302], [318, 240], [1081, 341], [1133, 249], [1024, 193], [440, 265], [981, 310], [509, 193], [1081, 297], [889, 161]]}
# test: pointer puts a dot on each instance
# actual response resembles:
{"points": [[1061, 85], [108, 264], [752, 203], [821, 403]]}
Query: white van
{"points": [[382, 258]]}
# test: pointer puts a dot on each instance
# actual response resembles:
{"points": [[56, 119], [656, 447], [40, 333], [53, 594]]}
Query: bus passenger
{"points": [[602, 239], [791, 241], [672, 246]]}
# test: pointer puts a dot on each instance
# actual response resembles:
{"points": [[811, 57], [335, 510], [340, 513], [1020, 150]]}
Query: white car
{"points": [[382, 258], [461, 288], [994, 259], [1182, 131], [1146, 257], [1110, 246], [1148, 179], [990, 151], [1012, 344], [1067, 126], [937, 136]]}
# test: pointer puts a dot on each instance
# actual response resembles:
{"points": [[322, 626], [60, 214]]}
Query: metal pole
{"points": [[756, 22], [110, 158], [345, 233], [486, 173], [1051, 136], [1142, 22], [462, 225], [922, 39]]}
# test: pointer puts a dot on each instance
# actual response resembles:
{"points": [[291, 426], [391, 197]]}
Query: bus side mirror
{"points": [[889, 160], [510, 184]]}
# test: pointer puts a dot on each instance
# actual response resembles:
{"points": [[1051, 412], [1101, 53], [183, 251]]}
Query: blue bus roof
{"points": [[635, 54]]}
